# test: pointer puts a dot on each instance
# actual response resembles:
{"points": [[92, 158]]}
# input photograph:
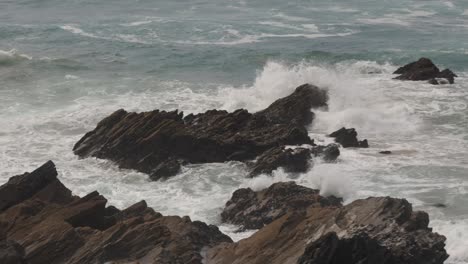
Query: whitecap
{"points": [[12, 56], [76, 30], [384, 20]]}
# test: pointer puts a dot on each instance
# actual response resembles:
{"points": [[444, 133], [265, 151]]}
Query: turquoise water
{"points": [[66, 64]]}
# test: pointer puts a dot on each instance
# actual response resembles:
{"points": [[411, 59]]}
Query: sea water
{"points": [[66, 64]]}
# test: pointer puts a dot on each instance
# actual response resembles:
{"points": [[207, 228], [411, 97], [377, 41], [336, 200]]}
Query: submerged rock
{"points": [[372, 230], [156, 142], [347, 137], [422, 70], [385, 152], [52, 226]]}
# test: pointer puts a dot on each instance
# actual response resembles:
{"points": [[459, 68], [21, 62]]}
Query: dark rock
{"points": [[423, 70], [329, 152], [84, 230], [433, 81], [348, 138], [22, 187], [372, 230], [359, 249], [11, 253], [292, 160], [253, 210], [151, 142], [295, 109], [385, 152], [165, 170], [447, 74]]}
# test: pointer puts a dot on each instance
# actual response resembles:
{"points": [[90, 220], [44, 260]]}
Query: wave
{"points": [[358, 97], [12, 56]]}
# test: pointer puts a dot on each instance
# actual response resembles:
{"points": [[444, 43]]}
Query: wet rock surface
{"points": [[347, 137], [292, 160], [44, 223], [424, 70], [372, 230], [254, 210], [154, 142]]}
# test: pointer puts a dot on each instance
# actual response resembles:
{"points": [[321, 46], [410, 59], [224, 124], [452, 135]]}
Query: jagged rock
{"points": [[165, 170], [422, 70], [372, 230], [292, 160], [11, 253], [253, 210], [295, 109], [348, 138], [83, 230], [359, 249], [144, 141], [329, 152]]}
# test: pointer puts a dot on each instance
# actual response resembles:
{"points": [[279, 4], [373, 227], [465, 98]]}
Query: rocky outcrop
{"points": [[292, 160], [157, 142], [44, 223], [41, 222], [11, 253], [347, 137], [372, 230], [424, 70], [254, 210]]}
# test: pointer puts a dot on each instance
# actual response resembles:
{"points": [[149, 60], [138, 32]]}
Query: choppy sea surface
{"points": [[66, 64]]}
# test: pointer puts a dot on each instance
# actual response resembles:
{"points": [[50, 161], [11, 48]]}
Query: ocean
{"points": [[66, 64]]}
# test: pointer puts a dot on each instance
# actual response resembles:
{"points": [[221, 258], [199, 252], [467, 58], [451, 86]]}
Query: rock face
{"points": [[348, 138], [42, 222], [158, 142], [424, 70], [52, 226], [254, 210], [293, 160], [372, 230]]}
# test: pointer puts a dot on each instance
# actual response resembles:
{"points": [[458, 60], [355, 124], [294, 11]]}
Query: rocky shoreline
{"points": [[41, 221]]}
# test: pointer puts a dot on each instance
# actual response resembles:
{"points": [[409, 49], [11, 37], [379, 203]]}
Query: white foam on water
{"points": [[12, 56], [391, 114], [355, 98], [78, 31], [385, 20], [291, 18]]}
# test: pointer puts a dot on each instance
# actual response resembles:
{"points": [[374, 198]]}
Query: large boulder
{"points": [[254, 210], [154, 142], [372, 230], [347, 137], [69, 229], [423, 70]]}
